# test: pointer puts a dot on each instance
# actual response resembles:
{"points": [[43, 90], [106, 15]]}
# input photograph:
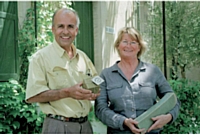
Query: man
{"points": [[55, 78]]}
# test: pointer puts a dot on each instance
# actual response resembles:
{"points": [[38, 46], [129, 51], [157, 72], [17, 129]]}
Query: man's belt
{"points": [[66, 119]]}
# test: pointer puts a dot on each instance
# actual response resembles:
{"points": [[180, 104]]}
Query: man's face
{"points": [[64, 28]]}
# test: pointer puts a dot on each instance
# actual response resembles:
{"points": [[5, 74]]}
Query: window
{"points": [[9, 67]]}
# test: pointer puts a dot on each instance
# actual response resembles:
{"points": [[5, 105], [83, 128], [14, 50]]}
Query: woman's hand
{"points": [[130, 123], [160, 121]]}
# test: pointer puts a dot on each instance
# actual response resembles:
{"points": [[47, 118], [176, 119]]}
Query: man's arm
{"points": [[76, 92]]}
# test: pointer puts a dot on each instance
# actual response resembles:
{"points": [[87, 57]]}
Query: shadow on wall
{"points": [[109, 37]]}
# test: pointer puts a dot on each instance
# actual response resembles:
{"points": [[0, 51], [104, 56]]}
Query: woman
{"points": [[131, 87]]}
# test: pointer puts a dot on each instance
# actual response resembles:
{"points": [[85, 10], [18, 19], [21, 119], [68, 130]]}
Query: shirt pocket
{"points": [[57, 78], [147, 95], [147, 89], [115, 91]]}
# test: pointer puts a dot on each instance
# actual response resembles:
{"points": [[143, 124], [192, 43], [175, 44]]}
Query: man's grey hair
{"points": [[67, 10]]}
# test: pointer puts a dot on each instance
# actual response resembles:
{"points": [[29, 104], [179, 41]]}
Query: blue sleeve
{"points": [[103, 112]]}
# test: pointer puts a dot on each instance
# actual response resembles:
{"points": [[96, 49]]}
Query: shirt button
{"points": [[133, 110]]}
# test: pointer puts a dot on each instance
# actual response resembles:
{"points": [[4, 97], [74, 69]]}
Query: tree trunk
{"points": [[183, 71]]}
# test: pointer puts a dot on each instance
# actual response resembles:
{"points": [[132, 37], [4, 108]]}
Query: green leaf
{"points": [[16, 124]]}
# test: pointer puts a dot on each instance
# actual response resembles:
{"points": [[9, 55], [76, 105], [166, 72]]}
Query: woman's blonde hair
{"points": [[135, 34]]}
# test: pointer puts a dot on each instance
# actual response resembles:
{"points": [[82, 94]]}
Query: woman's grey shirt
{"points": [[120, 99]]}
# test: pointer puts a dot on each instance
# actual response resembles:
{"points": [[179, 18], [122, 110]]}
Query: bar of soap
{"points": [[163, 106], [92, 83]]}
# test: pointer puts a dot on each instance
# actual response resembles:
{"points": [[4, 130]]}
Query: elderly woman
{"points": [[131, 87]]}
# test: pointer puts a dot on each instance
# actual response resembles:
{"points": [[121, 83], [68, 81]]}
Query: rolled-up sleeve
{"points": [[36, 82]]}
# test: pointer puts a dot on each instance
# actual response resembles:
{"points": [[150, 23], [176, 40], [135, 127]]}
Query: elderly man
{"points": [[55, 79]]}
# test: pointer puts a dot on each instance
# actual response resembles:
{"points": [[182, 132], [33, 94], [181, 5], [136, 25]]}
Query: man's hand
{"points": [[160, 121], [130, 123], [77, 92]]}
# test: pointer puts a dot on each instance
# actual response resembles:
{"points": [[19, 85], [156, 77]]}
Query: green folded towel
{"points": [[164, 105]]}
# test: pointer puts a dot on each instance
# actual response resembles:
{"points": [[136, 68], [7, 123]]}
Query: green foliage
{"points": [[188, 121], [27, 42], [154, 34], [182, 40], [17, 117]]}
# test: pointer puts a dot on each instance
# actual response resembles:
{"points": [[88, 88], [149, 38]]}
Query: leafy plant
{"points": [[16, 115], [27, 42], [188, 121], [182, 43]]}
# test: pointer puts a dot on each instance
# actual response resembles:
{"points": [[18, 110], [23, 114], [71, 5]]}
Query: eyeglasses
{"points": [[124, 42]]}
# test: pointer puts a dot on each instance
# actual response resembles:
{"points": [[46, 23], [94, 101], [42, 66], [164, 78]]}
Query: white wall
{"points": [[22, 7], [108, 18], [193, 73]]}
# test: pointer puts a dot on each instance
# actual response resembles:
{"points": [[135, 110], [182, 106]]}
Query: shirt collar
{"points": [[141, 66], [61, 51]]}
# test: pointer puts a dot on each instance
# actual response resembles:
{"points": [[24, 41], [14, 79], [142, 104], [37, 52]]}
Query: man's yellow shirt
{"points": [[51, 69]]}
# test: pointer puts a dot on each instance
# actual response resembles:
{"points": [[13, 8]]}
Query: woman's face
{"points": [[128, 47]]}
